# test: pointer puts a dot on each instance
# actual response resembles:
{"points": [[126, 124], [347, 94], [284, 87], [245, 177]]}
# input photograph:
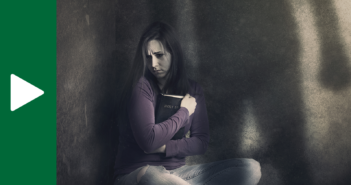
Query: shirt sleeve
{"points": [[148, 135], [199, 132]]}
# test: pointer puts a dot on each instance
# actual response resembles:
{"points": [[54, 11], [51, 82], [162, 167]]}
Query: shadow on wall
{"points": [[335, 71], [326, 108], [248, 64], [253, 94]]}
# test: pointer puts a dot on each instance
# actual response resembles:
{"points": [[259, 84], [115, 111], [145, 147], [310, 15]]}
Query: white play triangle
{"points": [[22, 92]]}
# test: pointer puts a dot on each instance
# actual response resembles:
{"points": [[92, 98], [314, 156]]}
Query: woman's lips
{"points": [[158, 71]]}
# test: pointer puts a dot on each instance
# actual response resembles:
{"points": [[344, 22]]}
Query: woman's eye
{"points": [[159, 55]]}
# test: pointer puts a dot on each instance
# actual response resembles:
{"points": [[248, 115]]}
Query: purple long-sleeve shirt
{"points": [[140, 133]]}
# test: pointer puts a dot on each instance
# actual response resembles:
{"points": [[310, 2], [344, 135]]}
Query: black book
{"points": [[167, 105]]}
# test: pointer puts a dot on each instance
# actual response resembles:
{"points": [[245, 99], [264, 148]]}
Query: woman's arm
{"points": [[199, 138], [148, 135], [162, 149], [188, 102]]}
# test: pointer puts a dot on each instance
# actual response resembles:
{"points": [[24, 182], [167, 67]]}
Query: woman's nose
{"points": [[154, 61]]}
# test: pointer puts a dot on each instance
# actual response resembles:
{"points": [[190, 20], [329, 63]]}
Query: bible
{"points": [[166, 106]]}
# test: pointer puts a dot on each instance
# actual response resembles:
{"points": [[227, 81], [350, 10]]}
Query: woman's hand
{"points": [[162, 149], [189, 102]]}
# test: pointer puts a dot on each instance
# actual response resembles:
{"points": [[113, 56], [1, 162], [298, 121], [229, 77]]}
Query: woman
{"points": [[146, 153]]}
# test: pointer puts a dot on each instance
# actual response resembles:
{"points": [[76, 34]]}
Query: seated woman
{"points": [[147, 155]]}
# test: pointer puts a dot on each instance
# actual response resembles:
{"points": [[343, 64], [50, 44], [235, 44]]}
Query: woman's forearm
{"points": [[162, 149], [200, 136], [150, 136]]}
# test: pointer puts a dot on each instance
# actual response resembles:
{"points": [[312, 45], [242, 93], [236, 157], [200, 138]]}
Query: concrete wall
{"points": [[87, 85], [276, 76]]}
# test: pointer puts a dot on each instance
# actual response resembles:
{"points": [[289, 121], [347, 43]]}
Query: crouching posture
{"points": [[148, 153]]}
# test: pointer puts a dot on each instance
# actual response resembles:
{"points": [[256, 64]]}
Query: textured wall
{"points": [[276, 76], [86, 90]]}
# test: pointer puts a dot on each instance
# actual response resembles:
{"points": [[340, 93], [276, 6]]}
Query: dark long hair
{"points": [[177, 81]]}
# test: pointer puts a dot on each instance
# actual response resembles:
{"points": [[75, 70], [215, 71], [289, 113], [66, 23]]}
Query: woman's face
{"points": [[158, 59]]}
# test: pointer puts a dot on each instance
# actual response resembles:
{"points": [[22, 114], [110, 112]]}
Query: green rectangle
{"points": [[28, 134]]}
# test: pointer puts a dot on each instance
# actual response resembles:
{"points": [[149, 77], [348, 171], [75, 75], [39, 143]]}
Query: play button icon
{"points": [[22, 92]]}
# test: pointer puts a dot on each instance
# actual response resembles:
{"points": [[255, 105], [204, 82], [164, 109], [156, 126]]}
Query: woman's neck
{"points": [[161, 83]]}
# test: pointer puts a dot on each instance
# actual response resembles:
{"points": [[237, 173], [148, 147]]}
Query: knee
{"points": [[255, 170], [142, 172]]}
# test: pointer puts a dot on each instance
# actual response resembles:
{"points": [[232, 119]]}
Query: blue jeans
{"points": [[231, 171]]}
